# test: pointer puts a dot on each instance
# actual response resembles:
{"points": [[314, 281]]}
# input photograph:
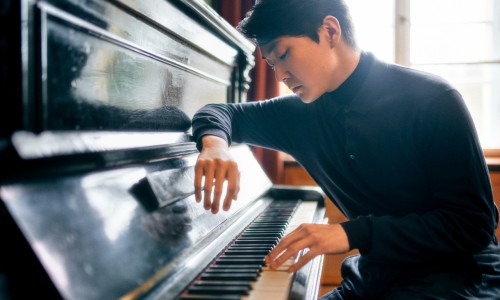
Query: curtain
{"points": [[263, 86]]}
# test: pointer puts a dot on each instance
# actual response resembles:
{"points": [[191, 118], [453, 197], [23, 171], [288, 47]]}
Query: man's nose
{"points": [[281, 74]]}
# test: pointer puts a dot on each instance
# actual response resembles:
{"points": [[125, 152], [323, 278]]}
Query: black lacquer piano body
{"points": [[96, 177]]}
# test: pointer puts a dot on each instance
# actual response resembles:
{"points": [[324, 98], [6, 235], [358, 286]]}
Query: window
{"points": [[456, 39]]}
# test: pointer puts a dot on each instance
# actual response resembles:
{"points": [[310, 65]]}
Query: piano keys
{"points": [[240, 272], [96, 186]]}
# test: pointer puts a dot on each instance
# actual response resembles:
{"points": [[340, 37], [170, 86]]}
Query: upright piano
{"points": [[97, 159]]}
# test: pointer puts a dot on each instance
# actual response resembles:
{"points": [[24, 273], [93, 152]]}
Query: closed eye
{"points": [[284, 55]]}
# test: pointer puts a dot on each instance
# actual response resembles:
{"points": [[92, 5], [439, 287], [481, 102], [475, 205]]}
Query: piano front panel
{"points": [[99, 237]]}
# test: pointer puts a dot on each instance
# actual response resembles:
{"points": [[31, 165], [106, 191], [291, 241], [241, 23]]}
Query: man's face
{"points": [[306, 67]]}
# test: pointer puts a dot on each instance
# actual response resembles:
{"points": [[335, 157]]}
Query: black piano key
{"points": [[232, 270], [218, 290], [268, 225], [230, 276], [242, 256], [276, 214], [243, 266], [262, 252], [271, 240], [271, 221], [261, 234], [210, 297], [240, 261], [247, 247], [256, 242], [223, 283], [265, 229], [281, 232]]}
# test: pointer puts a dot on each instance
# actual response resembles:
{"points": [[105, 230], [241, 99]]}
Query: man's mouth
{"points": [[296, 89]]}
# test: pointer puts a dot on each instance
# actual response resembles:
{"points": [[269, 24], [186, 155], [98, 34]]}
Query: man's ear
{"points": [[332, 27]]}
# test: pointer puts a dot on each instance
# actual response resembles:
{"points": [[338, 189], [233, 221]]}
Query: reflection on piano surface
{"points": [[98, 200]]}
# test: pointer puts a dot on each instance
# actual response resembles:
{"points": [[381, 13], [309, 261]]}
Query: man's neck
{"points": [[348, 59]]}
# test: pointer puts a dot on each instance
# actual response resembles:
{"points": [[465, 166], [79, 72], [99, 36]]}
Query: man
{"points": [[394, 148]]}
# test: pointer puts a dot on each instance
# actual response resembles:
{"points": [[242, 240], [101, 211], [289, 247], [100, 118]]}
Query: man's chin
{"points": [[306, 99]]}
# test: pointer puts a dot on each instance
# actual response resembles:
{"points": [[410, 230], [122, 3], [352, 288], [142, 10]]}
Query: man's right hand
{"points": [[216, 165]]}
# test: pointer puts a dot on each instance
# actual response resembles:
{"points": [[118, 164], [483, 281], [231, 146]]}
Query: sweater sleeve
{"points": [[261, 123], [464, 216]]}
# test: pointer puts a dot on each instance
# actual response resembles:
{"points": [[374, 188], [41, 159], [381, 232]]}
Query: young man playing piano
{"points": [[394, 148]]}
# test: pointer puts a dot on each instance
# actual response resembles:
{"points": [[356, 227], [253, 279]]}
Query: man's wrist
{"points": [[213, 141]]}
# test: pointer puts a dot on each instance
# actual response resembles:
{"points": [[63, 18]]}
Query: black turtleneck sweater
{"points": [[395, 150]]}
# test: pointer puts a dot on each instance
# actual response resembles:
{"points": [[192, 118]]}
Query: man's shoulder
{"points": [[410, 79], [394, 84]]}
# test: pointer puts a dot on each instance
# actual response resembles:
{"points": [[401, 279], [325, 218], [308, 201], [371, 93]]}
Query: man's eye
{"points": [[284, 55]]}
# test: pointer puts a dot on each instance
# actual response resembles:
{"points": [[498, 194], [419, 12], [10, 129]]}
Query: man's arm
{"points": [[216, 126]]}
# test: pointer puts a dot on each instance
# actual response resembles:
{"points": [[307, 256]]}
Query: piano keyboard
{"points": [[240, 271]]}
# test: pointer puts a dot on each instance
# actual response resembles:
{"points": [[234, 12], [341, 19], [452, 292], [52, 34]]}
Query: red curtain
{"points": [[263, 85]]}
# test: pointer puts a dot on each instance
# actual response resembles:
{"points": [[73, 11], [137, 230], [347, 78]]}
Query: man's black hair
{"points": [[269, 19]]}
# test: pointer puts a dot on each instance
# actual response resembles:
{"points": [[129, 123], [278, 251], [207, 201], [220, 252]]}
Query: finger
{"points": [[304, 259], [284, 243], [209, 181], [289, 253], [198, 175], [220, 176], [237, 186], [232, 188]]}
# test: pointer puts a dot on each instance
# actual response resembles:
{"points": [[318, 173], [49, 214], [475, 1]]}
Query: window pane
{"points": [[374, 26], [454, 31], [450, 11], [451, 43]]}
